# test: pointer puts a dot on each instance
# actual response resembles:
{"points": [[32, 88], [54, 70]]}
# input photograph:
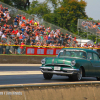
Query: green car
{"points": [[72, 62]]}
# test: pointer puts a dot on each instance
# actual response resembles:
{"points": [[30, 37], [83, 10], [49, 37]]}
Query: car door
{"points": [[91, 68], [96, 64]]}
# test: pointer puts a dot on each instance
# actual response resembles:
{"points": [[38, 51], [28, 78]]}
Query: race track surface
{"points": [[29, 73]]}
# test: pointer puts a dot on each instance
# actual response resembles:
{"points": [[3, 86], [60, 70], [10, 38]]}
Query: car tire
{"points": [[98, 78], [70, 78], [78, 76], [47, 76]]}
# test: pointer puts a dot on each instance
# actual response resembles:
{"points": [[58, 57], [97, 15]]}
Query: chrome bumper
{"points": [[65, 71]]}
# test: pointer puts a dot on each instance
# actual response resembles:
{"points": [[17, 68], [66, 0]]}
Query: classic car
{"points": [[72, 62]]}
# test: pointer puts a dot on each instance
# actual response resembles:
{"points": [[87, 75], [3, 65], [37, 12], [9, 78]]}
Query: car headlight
{"points": [[73, 63], [43, 61]]}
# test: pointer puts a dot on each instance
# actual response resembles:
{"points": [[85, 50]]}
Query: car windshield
{"points": [[72, 53]]}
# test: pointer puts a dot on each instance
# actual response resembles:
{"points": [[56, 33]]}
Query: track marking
{"points": [[20, 65], [19, 72]]}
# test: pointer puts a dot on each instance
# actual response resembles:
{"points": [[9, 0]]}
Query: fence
{"points": [[29, 50], [36, 50]]}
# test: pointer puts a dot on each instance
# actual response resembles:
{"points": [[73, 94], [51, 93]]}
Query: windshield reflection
{"points": [[79, 54]]}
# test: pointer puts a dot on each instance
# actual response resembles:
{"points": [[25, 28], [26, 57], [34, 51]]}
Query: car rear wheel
{"points": [[47, 76], [78, 76]]}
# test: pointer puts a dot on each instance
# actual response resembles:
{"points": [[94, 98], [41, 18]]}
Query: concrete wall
{"points": [[66, 92], [21, 59]]}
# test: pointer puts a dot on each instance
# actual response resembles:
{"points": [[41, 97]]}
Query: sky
{"points": [[92, 8]]}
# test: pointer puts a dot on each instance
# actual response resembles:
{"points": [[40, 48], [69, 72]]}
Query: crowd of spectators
{"points": [[91, 26], [24, 31], [30, 32]]}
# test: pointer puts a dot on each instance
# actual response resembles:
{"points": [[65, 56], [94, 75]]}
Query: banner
{"points": [[42, 51]]}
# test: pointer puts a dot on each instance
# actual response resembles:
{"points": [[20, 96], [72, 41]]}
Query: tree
{"points": [[39, 9], [54, 3], [68, 13], [7, 1], [20, 4]]}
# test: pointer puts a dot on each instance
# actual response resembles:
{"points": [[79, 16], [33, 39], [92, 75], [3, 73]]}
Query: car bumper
{"points": [[64, 71]]}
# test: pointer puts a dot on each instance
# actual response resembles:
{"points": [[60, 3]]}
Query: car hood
{"points": [[59, 60]]}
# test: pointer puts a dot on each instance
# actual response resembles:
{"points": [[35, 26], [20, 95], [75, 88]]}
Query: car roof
{"points": [[83, 49]]}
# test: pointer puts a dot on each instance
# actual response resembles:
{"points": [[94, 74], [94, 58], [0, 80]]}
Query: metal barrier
{"points": [[12, 50], [36, 50]]}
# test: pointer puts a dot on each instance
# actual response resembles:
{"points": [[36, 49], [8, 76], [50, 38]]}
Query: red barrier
{"points": [[42, 51]]}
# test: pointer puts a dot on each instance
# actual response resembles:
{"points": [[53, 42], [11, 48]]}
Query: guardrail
{"points": [[51, 91]]}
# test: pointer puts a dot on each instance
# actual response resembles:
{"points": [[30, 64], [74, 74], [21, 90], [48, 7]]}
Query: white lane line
{"points": [[19, 72], [20, 64]]}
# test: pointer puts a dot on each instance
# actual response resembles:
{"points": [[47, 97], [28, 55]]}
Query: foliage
{"points": [[7, 1], [92, 37], [40, 9], [20, 4], [89, 18], [54, 3], [68, 14]]}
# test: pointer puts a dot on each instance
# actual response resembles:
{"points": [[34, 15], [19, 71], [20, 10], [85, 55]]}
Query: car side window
{"points": [[89, 56], [95, 56], [67, 54]]}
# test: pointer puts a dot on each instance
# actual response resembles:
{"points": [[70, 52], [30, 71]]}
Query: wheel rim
{"points": [[79, 75]]}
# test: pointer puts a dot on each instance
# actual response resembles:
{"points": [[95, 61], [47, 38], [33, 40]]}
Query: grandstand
{"points": [[24, 29], [89, 26]]}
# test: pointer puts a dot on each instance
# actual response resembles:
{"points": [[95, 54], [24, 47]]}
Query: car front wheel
{"points": [[78, 76], [98, 78], [47, 76]]}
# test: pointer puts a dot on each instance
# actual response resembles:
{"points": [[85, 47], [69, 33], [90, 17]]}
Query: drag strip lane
{"points": [[30, 74], [19, 72]]}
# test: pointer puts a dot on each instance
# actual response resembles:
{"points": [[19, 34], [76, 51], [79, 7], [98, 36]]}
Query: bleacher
{"points": [[89, 26], [39, 24]]}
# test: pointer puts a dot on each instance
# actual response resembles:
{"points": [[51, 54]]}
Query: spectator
{"points": [[3, 46], [1, 19], [62, 38], [15, 48], [22, 47], [16, 22], [0, 34], [8, 48]]}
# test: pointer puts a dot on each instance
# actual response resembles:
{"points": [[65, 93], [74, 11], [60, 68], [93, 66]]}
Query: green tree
{"points": [[89, 18], [20, 4], [68, 13], [7, 1], [54, 3], [39, 9]]}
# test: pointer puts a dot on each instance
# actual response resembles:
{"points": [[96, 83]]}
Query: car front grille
{"points": [[61, 65]]}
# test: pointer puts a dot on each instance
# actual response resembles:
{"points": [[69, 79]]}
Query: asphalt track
{"points": [[30, 74], [26, 82]]}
